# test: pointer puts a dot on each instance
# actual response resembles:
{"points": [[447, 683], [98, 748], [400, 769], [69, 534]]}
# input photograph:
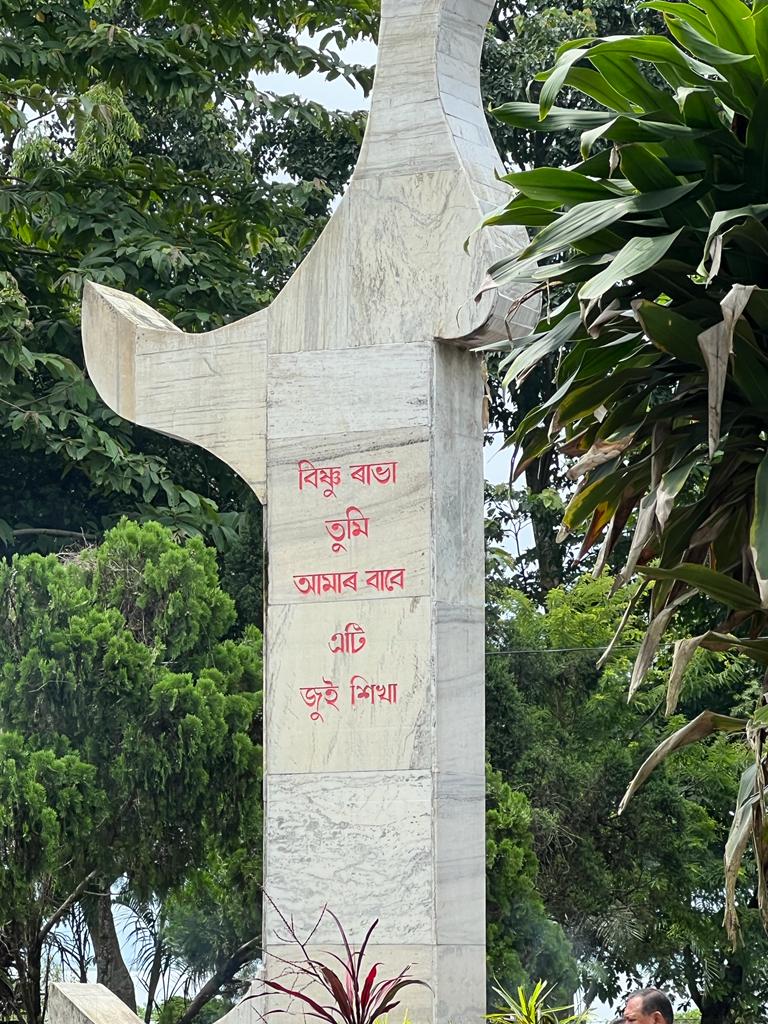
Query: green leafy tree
{"points": [[138, 152], [639, 895], [523, 38], [132, 736], [661, 338], [523, 941]]}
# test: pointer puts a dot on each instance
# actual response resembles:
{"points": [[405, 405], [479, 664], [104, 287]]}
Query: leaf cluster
{"points": [[130, 731], [657, 239], [137, 150]]}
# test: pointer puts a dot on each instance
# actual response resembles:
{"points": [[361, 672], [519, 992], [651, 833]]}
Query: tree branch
{"points": [[57, 915], [225, 974], [689, 970], [50, 532]]}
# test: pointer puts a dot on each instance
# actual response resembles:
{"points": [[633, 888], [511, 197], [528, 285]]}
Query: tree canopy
{"points": [[659, 333], [139, 152], [121, 704]]}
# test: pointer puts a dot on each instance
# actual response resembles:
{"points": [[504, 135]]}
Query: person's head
{"points": [[648, 1006]]}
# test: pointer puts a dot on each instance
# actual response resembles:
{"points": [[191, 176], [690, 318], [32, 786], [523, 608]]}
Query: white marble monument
{"points": [[352, 407]]}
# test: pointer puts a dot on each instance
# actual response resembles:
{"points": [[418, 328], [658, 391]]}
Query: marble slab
{"points": [[460, 859], [460, 689], [416, 1001], [332, 513], [459, 981], [365, 850], [342, 392], [73, 1003], [224, 406], [370, 728]]}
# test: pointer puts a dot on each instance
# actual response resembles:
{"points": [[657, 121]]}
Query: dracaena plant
{"points": [[533, 1009], [349, 992], [651, 257]]}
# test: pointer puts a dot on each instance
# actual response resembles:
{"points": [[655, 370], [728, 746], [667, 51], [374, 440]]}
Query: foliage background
{"points": [[139, 152]]}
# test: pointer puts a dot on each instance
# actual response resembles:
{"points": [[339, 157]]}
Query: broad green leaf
{"points": [[591, 357], [756, 153], [669, 331], [749, 370], [526, 115], [700, 108], [530, 270], [760, 23], [626, 79], [624, 128], [655, 49], [716, 585], [588, 218], [601, 488], [601, 517], [593, 84], [702, 48], [537, 442], [556, 79], [543, 346], [644, 169], [672, 482], [583, 400], [731, 21], [706, 724], [560, 187], [616, 128], [525, 213], [538, 414], [685, 12], [758, 530], [637, 256]]}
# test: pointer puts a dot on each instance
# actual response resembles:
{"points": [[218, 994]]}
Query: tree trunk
{"points": [[29, 975], [538, 476], [110, 966], [154, 978], [721, 1011], [247, 952], [715, 1013]]}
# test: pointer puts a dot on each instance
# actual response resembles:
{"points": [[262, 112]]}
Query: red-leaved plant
{"points": [[347, 995]]}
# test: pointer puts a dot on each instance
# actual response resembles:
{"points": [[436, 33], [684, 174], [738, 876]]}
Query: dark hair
{"points": [[654, 1001]]}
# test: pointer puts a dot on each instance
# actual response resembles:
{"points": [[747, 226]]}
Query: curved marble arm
{"points": [[206, 388]]}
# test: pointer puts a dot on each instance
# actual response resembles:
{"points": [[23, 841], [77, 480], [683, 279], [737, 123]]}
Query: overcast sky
{"points": [[336, 95]]}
